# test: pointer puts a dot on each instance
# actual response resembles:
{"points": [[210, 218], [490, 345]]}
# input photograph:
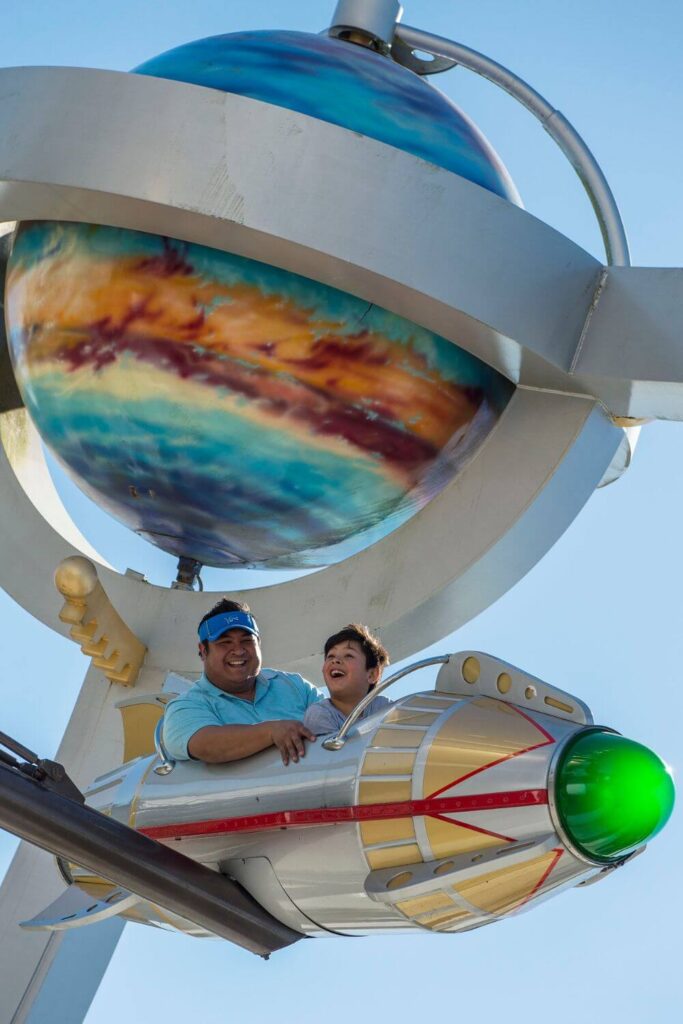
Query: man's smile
{"points": [[233, 662]]}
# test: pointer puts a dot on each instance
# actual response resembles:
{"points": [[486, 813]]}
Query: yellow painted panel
{"points": [[391, 831], [552, 702], [402, 878], [422, 904], [383, 792], [139, 723], [398, 738], [386, 763], [442, 919], [440, 701], [98, 888], [500, 891], [80, 874], [471, 669], [394, 856], [404, 716], [479, 733], [448, 840]]}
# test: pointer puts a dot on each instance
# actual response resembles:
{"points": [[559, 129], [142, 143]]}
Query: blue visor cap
{"points": [[217, 625]]}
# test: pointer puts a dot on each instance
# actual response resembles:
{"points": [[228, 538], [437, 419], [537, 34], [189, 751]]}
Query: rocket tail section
{"points": [[140, 866], [74, 908]]}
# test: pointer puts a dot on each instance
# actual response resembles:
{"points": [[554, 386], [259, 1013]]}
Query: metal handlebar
{"points": [[337, 742], [556, 125], [167, 762]]}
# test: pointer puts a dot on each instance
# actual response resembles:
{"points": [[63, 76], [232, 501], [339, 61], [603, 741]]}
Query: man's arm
{"points": [[218, 744]]}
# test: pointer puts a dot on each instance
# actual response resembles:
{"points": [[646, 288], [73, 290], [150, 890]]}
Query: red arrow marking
{"points": [[542, 879], [547, 739]]}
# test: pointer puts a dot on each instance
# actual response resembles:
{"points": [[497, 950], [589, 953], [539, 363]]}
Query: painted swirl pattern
{"points": [[229, 410]]}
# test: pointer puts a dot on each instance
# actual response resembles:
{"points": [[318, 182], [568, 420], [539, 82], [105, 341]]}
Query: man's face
{"points": [[345, 673], [232, 662]]}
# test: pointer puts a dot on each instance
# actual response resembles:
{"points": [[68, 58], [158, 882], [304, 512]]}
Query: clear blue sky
{"points": [[600, 615]]}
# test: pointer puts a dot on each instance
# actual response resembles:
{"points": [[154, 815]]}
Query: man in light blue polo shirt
{"points": [[237, 707]]}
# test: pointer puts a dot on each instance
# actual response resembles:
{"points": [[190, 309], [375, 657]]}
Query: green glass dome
{"points": [[612, 794]]}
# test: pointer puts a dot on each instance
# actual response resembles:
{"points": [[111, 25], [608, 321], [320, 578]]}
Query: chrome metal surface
{"points": [[529, 772], [505, 682], [310, 870], [257, 876], [334, 180], [136, 863], [327, 884], [552, 802], [608, 869], [167, 763], [633, 333], [260, 784], [320, 869], [432, 875], [337, 742], [373, 19], [188, 574], [429, 64], [555, 123]]}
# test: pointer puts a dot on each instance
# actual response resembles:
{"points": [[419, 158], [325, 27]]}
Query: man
{"points": [[237, 708], [353, 665]]}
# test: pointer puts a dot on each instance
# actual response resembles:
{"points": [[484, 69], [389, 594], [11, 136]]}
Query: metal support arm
{"points": [[556, 125]]}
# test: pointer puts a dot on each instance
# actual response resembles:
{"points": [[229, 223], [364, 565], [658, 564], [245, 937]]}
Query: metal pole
{"points": [[371, 22], [144, 867], [557, 126]]}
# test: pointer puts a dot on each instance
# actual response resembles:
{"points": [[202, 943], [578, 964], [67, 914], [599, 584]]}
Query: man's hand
{"points": [[288, 737]]}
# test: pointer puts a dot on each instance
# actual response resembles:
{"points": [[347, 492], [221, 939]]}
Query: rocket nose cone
{"points": [[612, 794]]}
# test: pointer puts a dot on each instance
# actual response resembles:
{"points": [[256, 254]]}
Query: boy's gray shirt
{"points": [[323, 718]]}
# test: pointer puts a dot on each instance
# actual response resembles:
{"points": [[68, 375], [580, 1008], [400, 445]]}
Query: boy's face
{"points": [[345, 673]]}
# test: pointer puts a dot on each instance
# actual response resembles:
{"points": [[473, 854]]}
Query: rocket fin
{"points": [[74, 908], [474, 673]]}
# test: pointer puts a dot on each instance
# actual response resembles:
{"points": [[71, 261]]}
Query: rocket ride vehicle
{"points": [[446, 811], [273, 302]]}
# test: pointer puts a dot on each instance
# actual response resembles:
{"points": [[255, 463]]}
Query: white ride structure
{"points": [[592, 350]]}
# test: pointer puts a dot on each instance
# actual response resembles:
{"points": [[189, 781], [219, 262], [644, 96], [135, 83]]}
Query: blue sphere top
{"points": [[343, 84]]}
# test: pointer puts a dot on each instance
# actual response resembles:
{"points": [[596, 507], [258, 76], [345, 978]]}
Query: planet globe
{"points": [[231, 411]]}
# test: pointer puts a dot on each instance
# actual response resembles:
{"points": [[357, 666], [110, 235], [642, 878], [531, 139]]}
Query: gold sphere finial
{"points": [[75, 577]]}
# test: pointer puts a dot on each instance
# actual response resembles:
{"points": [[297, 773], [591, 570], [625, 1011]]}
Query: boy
{"points": [[353, 665]]}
